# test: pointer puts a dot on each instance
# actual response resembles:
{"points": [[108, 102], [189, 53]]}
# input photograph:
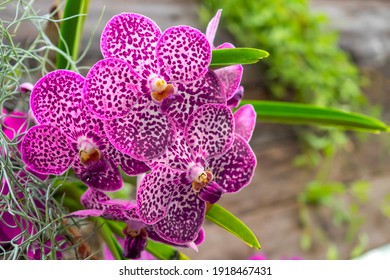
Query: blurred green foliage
{"points": [[305, 63], [342, 204]]}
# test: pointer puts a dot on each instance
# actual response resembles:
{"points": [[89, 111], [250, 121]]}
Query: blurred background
{"points": [[317, 193]]}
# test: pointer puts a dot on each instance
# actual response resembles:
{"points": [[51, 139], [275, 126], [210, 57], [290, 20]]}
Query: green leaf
{"points": [[224, 57], [71, 31], [110, 239], [223, 218], [164, 252], [294, 113]]}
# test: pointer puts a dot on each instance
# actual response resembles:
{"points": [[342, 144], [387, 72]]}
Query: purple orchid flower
{"points": [[136, 232], [206, 160], [229, 76], [149, 83], [68, 135]]}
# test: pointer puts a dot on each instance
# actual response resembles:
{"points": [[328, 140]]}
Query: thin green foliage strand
{"points": [[29, 200]]}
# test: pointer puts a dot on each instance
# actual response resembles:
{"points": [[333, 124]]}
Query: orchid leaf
{"points": [[294, 113], [75, 13], [225, 57], [110, 240], [164, 252], [223, 218]]}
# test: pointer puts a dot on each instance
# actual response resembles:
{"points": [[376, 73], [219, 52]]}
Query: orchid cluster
{"points": [[152, 107]]}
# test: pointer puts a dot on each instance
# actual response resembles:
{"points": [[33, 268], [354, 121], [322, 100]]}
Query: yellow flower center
{"points": [[88, 152], [203, 179], [87, 157], [160, 89]]}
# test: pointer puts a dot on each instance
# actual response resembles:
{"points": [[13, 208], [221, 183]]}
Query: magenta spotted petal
{"points": [[46, 150], [57, 100], [132, 38], [209, 131], [245, 121], [233, 170], [128, 164], [235, 100], [184, 217], [183, 53], [144, 134], [102, 175], [178, 155], [155, 193], [230, 78], [111, 88], [206, 90]]}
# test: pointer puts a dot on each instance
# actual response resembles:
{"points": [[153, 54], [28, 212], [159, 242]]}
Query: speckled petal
{"points": [[132, 38], [183, 54], [103, 175], [111, 209], [128, 164], [144, 134], [184, 218], [209, 131], [230, 78], [233, 170], [178, 155], [206, 90], [245, 121], [111, 88], [46, 150], [94, 199], [155, 192], [212, 27], [57, 99], [235, 100]]}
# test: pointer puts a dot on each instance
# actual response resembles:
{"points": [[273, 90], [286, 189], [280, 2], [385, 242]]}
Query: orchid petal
{"points": [[233, 170], [15, 123], [230, 78], [87, 213], [46, 150], [111, 88], [183, 54], [178, 155], [235, 100], [102, 175], [225, 45], [245, 121], [26, 87], [154, 194], [132, 38], [144, 134], [205, 90], [212, 27], [57, 100], [113, 209], [128, 164], [185, 216], [209, 131]]}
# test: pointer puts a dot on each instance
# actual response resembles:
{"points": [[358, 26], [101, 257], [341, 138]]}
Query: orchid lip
{"points": [[88, 151], [160, 89], [199, 177]]}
